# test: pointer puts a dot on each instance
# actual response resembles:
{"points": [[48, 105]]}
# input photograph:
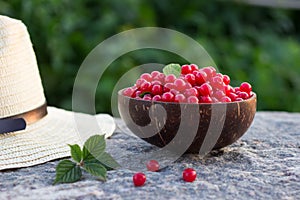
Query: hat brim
{"points": [[48, 138]]}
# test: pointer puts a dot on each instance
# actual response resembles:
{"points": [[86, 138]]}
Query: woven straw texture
{"points": [[20, 84], [47, 139], [21, 91]]}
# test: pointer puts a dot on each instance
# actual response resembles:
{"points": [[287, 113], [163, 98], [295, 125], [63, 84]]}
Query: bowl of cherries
{"points": [[187, 106]]}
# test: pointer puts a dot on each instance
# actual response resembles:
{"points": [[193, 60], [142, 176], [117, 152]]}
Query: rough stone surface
{"points": [[263, 164]]}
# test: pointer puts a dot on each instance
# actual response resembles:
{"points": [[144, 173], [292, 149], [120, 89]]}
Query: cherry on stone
{"points": [[152, 165], [139, 179], [189, 175]]}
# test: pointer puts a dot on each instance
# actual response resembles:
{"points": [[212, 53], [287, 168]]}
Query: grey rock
{"points": [[263, 164]]}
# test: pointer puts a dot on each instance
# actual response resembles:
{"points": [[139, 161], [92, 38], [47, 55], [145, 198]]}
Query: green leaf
{"points": [[76, 152], [96, 169], [108, 161], [67, 172], [93, 147], [172, 69]]}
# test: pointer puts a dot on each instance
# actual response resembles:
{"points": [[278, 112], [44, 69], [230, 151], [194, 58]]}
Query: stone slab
{"points": [[263, 164]]}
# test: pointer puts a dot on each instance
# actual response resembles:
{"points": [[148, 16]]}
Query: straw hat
{"points": [[30, 131]]}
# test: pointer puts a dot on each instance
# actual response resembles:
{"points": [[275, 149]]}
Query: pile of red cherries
{"points": [[194, 85]]}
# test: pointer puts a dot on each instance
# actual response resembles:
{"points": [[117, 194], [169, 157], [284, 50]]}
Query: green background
{"points": [[260, 45]]}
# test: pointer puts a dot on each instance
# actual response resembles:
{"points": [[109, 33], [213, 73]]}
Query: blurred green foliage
{"points": [[255, 44]]}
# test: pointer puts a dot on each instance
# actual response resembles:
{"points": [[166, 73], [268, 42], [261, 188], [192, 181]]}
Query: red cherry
{"points": [[159, 77], [189, 175], [188, 86], [232, 96], [156, 82], [243, 95], [137, 93], [156, 89], [180, 98], [179, 84], [139, 82], [146, 86], [156, 98], [232, 89], [215, 100], [170, 78], [225, 99], [246, 87], [190, 78], [236, 89], [200, 77], [219, 94], [226, 79], [186, 69], [193, 67], [219, 75], [168, 87], [174, 91], [205, 89], [167, 97], [147, 97], [146, 76], [191, 92], [154, 73], [205, 99], [139, 179], [210, 71], [192, 99], [128, 92], [217, 82], [227, 89], [152, 166]]}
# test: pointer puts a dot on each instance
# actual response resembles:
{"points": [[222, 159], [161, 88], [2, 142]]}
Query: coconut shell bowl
{"points": [[194, 127]]}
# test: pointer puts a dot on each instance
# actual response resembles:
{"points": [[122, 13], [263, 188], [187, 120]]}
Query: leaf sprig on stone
{"points": [[92, 159]]}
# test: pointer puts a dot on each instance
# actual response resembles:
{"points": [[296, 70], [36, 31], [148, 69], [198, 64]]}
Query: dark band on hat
{"points": [[19, 122]]}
